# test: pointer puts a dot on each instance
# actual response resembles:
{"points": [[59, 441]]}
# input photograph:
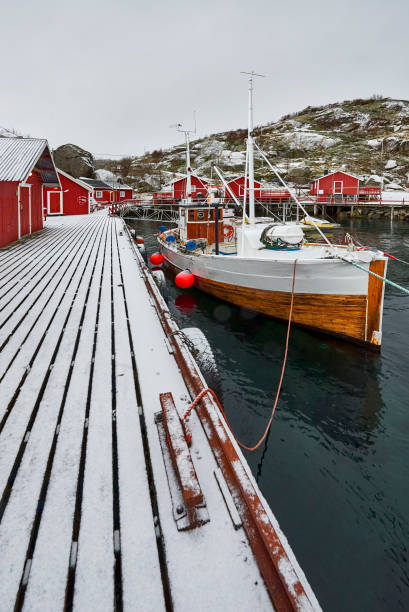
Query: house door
{"points": [[338, 187], [24, 210], [54, 202]]}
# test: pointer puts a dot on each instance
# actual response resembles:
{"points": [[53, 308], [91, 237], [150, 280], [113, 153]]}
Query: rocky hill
{"points": [[74, 160], [368, 137]]}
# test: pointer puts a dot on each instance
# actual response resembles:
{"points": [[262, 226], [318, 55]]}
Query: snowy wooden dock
{"points": [[91, 513]]}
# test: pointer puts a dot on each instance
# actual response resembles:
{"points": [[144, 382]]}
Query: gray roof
{"points": [[19, 156], [96, 183]]}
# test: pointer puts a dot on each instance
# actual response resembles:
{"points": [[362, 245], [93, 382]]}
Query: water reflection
{"points": [[185, 303]]}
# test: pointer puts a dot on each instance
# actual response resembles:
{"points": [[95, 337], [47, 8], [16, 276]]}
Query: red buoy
{"points": [[156, 259], [184, 279]]}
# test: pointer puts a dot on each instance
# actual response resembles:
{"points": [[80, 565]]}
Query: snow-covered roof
{"points": [[75, 180], [121, 186], [18, 157], [184, 176], [95, 183], [335, 172]]}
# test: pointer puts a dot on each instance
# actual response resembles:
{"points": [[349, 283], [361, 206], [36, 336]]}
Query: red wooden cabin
{"points": [[26, 170], [198, 188], [72, 199], [237, 187], [122, 192], [102, 193], [336, 185]]}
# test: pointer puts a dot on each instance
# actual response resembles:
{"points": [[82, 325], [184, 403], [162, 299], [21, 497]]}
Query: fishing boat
{"points": [[269, 267]]}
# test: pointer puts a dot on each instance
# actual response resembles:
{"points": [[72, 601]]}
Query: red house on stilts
{"points": [[72, 199], [122, 192], [198, 187], [26, 170], [105, 194], [335, 186], [237, 187]]}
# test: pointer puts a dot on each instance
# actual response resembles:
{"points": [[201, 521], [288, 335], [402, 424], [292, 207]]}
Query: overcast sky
{"points": [[112, 76]]}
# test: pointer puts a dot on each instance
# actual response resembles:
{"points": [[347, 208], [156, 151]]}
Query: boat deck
{"points": [[89, 506]]}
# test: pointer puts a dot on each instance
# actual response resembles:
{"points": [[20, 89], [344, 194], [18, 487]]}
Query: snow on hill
{"points": [[106, 175], [369, 138]]}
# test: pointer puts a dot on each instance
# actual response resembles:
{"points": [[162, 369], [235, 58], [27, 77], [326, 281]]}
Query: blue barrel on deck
{"points": [[190, 245]]}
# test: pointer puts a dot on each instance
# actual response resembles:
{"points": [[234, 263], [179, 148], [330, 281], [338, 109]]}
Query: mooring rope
{"points": [[397, 259], [216, 399], [382, 278]]}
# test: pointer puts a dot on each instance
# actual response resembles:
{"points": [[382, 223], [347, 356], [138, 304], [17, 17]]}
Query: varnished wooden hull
{"points": [[338, 314], [354, 317]]}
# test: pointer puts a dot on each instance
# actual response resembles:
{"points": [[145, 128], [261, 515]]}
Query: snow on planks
{"points": [[86, 515]]}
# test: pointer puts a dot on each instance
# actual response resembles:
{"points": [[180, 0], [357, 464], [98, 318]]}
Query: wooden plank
{"points": [[141, 573], [94, 574], [234, 515]]}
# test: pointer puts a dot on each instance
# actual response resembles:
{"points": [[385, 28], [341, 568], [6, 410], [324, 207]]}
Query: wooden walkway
{"points": [[87, 520]]}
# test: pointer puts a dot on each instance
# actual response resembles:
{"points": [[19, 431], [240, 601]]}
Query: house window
{"points": [[98, 194], [122, 194]]}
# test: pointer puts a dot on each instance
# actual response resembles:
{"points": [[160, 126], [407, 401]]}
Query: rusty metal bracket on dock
{"points": [[283, 584]]}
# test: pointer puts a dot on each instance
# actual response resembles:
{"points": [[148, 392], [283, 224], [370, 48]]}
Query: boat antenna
{"points": [[179, 128], [250, 143]]}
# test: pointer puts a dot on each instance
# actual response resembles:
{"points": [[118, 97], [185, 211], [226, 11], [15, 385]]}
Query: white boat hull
{"points": [[330, 295]]}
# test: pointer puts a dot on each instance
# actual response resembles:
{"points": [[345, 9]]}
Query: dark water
{"points": [[335, 467]]}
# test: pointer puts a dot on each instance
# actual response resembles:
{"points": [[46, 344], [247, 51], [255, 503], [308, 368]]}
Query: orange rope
{"points": [[216, 399]]}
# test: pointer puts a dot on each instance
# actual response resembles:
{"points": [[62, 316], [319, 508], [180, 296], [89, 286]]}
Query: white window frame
{"points": [[122, 194], [98, 194]]}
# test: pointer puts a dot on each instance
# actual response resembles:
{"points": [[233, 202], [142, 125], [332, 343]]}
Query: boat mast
{"points": [[179, 128], [250, 147], [188, 169]]}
